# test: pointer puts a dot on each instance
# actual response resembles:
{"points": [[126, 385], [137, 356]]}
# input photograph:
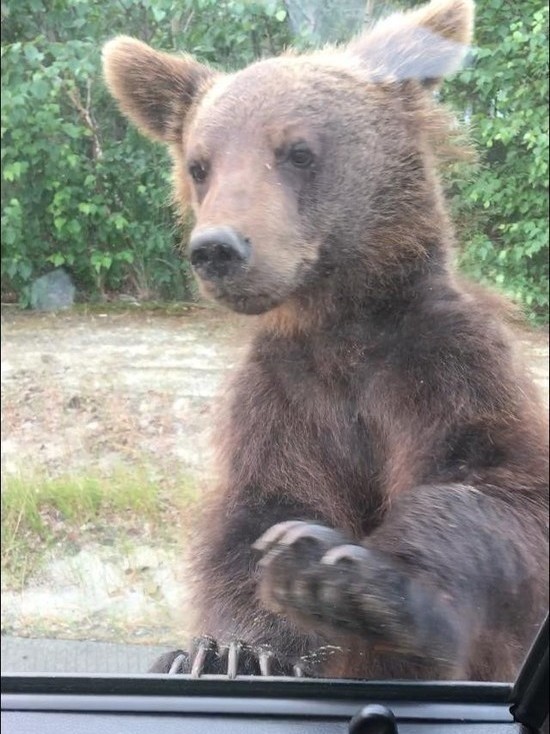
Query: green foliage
{"points": [[503, 207], [81, 188]]}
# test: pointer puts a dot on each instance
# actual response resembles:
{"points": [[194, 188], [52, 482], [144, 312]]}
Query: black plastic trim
{"points": [[530, 691], [248, 686]]}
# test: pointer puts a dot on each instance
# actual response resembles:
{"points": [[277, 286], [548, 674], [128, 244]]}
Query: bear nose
{"points": [[216, 252]]}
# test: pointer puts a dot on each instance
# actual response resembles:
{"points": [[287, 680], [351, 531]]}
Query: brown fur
{"points": [[381, 395]]}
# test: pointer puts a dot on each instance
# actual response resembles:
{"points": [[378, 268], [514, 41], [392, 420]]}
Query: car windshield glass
{"points": [[274, 337]]}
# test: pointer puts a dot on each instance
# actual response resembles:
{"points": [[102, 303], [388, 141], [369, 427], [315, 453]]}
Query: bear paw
{"points": [[311, 572], [208, 657]]}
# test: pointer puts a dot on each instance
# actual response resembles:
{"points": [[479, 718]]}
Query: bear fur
{"points": [[383, 491]]}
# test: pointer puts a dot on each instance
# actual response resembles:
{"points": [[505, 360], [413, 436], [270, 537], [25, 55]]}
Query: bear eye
{"points": [[198, 171], [300, 156]]}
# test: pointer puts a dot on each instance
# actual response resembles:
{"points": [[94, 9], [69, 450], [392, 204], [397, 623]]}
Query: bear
{"points": [[382, 503]]}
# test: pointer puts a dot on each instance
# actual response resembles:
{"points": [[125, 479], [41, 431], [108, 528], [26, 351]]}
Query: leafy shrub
{"points": [[503, 207]]}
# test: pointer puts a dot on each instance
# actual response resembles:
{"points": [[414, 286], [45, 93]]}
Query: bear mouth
{"points": [[254, 293], [236, 300], [252, 305], [240, 297]]}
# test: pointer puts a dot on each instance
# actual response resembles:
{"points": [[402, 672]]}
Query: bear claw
{"points": [[345, 554], [275, 533], [284, 535]]}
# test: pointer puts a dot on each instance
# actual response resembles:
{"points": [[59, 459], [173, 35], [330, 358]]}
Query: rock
{"points": [[53, 291], [75, 403]]}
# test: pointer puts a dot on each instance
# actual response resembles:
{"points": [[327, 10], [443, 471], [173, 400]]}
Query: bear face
{"points": [[273, 159]]}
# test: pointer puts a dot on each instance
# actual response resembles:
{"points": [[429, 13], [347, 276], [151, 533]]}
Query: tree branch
{"points": [[85, 112]]}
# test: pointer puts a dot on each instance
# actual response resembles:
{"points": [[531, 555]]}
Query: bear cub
{"points": [[382, 504]]}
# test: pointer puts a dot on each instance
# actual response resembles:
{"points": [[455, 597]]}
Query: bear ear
{"points": [[155, 90], [425, 44]]}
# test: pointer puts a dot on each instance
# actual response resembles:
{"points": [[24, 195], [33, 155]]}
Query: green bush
{"points": [[502, 209]]}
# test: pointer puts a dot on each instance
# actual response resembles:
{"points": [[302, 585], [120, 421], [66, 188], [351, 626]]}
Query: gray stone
{"points": [[53, 291]]}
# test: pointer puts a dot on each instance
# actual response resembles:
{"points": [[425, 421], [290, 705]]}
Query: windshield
{"points": [[275, 356]]}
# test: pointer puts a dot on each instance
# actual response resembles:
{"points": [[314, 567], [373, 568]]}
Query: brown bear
{"points": [[383, 501]]}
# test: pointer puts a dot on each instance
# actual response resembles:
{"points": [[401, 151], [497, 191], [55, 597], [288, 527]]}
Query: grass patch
{"points": [[40, 511]]}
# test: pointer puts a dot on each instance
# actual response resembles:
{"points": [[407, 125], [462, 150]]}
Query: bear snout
{"points": [[218, 252]]}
